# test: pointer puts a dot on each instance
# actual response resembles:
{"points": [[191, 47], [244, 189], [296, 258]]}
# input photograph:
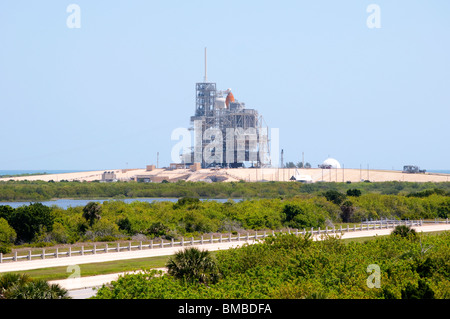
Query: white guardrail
{"points": [[372, 225]]}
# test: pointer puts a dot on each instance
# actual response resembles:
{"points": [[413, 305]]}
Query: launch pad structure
{"points": [[226, 133]]}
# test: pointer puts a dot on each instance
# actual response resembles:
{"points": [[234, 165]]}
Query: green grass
{"points": [[102, 268]]}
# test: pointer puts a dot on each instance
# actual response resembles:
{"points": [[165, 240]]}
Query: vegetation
{"points": [[286, 266], [39, 225], [39, 190], [21, 286], [193, 266], [412, 265]]}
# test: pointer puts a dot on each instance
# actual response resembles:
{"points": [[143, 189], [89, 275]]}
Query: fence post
{"points": [[94, 250], [129, 246], [201, 240], [56, 253], [106, 248], [1, 258], [70, 251], [247, 237], [229, 236], [162, 243], [318, 231], [151, 244], [256, 235], [446, 220], [140, 245], [29, 255], [43, 253], [82, 250], [118, 247], [238, 237], [312, 231], [212, 239], [220, 240], [171, 243]]}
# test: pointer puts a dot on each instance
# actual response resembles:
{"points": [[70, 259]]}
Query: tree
{"points": [[334, 196], [290, 165], [28, 221], [354, 192], [7, 236], [193, 265], [347, 210], [422, 291], [298, 215], [92, 212], [6, 212]]}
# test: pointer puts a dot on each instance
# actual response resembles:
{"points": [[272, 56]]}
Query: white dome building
{"points": [[331, 162]]}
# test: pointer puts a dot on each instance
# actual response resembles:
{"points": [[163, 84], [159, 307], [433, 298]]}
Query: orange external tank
{"points": [[229, 99]]}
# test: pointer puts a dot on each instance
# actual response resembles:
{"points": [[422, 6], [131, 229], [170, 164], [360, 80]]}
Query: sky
{"points": [[105, 85]]}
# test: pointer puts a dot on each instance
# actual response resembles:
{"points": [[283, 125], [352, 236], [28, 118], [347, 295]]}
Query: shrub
{"points": [[403, 231], [334, 196], [28, 221], [193, 265], [7, 233], [354, 192]]}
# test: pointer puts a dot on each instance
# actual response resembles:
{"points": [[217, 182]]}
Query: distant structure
{"points": [[226, 134], [330, 163], [411, 169], [109, 176]]}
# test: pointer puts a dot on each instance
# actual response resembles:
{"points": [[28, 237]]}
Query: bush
{"points": [[403, 231], [347, 211], [7, 233], [354, 192], [334, 196], [301, 215], [194, 266], [28, 221]]}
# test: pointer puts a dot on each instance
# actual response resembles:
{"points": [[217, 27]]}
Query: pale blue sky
{"points": [[112, 91]]}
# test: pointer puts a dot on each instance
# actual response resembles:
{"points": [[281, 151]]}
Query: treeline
{"points": [[290, 267], [117, 220], [40, 191]]}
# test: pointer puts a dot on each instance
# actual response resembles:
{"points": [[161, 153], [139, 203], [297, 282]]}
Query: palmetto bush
{"points": [[193, 265], [14, 286], [404, 231]]}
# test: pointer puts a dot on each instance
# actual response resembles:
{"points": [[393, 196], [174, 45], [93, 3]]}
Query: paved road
{"points": [[110, 256]]}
